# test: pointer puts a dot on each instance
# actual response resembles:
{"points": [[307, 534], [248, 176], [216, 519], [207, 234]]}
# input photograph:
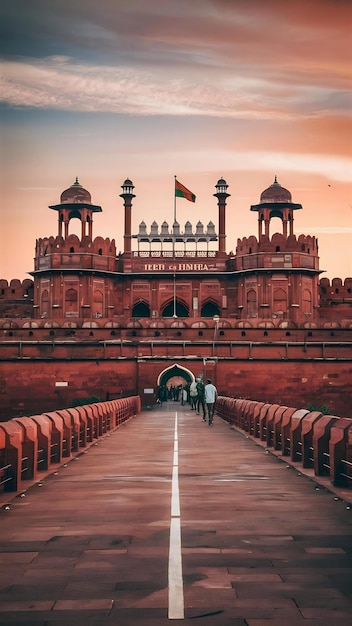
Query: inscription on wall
{"points": [[178, 267]]}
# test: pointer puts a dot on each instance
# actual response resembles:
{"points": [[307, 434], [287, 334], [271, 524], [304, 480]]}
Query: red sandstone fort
{"points": [[172, 306]]}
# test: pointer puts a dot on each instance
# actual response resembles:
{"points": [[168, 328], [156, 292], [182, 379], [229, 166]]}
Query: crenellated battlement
{"points": [[16, 298], [335, 293], [277, 243], [72, 245], [16, 288]]}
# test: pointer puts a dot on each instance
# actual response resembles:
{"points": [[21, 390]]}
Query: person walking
{"points": [[201, 398], [193, 395], [210, 398]]}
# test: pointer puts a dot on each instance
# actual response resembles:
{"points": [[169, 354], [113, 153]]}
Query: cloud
{"points": [[306, 41], [58, 83]]}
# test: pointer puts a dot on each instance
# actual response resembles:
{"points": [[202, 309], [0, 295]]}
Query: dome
{"points": [[275, 193], [76, 194]]}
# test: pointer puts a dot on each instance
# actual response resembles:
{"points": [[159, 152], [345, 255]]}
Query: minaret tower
{"points": [[127, 195], [279, 271], [75, 202], [275, 201], [221, 194], [74, 277]]}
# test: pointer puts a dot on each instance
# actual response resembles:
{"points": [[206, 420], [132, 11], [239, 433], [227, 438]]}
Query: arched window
{"points": [[307, 302], [209, 309], [98, 300], [251, 303], [280, 301], [72, 250], [177, 308], [71, 301], [141, 309], [45, 303], [100, 251]]}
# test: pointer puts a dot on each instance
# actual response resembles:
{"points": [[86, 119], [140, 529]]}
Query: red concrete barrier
{"points": [[8, 464], [72, 424], [231, 413], [32, 444], [224, 408], [321, 439], [83, 424], [253, 418], [92, 422], [103, 413], [270, 420], [307, 437], [98, 414], [296, 434], [13, 438], [314, 439], [29, 447], [277, 427], [242, 415], [110, 421], [44, 431], [340, 451], [286, 430], [59, 437], [247, 415], [263, 414]]}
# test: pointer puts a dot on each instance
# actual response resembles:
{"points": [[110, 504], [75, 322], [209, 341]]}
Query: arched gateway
{"points": [[174, 371]]}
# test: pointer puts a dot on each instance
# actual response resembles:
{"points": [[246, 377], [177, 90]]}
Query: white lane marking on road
{"points": [[176, 598]]}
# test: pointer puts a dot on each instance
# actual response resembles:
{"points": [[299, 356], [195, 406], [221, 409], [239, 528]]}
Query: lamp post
{"points": [[216, 319], [174, 299]]}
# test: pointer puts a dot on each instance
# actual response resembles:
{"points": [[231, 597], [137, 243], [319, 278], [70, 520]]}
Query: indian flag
{"points": [[182, 192]]}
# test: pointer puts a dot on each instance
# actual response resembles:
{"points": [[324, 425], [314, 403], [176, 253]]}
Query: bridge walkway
{"points": [[169, 520]]}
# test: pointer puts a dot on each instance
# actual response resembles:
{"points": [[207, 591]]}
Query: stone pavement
{"points": [[262, 544]]}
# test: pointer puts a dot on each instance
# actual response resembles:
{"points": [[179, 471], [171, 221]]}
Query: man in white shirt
{"points": [[193, 395], [210, 398]]}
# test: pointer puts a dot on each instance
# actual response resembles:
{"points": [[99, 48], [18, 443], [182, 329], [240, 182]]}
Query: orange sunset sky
{"points": [[201, 89]]}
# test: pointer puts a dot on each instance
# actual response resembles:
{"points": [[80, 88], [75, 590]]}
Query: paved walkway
{"points": [[261, 544]]}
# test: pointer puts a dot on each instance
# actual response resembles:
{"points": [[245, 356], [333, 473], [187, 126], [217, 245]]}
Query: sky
{"points": [[201, 89]]}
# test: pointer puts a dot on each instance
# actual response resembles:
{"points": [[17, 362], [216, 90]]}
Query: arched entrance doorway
{"points": [[175, 371], [171, 381]]}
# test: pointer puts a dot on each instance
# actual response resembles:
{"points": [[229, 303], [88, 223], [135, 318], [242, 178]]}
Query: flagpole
{"points": [[173, 231], [175, 200], [173, 247]]}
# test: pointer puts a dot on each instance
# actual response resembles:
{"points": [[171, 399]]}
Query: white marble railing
{"points": [[175, 254]]}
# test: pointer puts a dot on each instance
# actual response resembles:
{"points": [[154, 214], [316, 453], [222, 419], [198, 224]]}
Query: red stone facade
{"points": [[173, 296]]}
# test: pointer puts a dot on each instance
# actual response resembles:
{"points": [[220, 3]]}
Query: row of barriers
{"points": [[30, 445], [322, 442]]}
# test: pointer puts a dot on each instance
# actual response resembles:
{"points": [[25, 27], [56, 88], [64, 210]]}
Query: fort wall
{"points": [[45, 377]]}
